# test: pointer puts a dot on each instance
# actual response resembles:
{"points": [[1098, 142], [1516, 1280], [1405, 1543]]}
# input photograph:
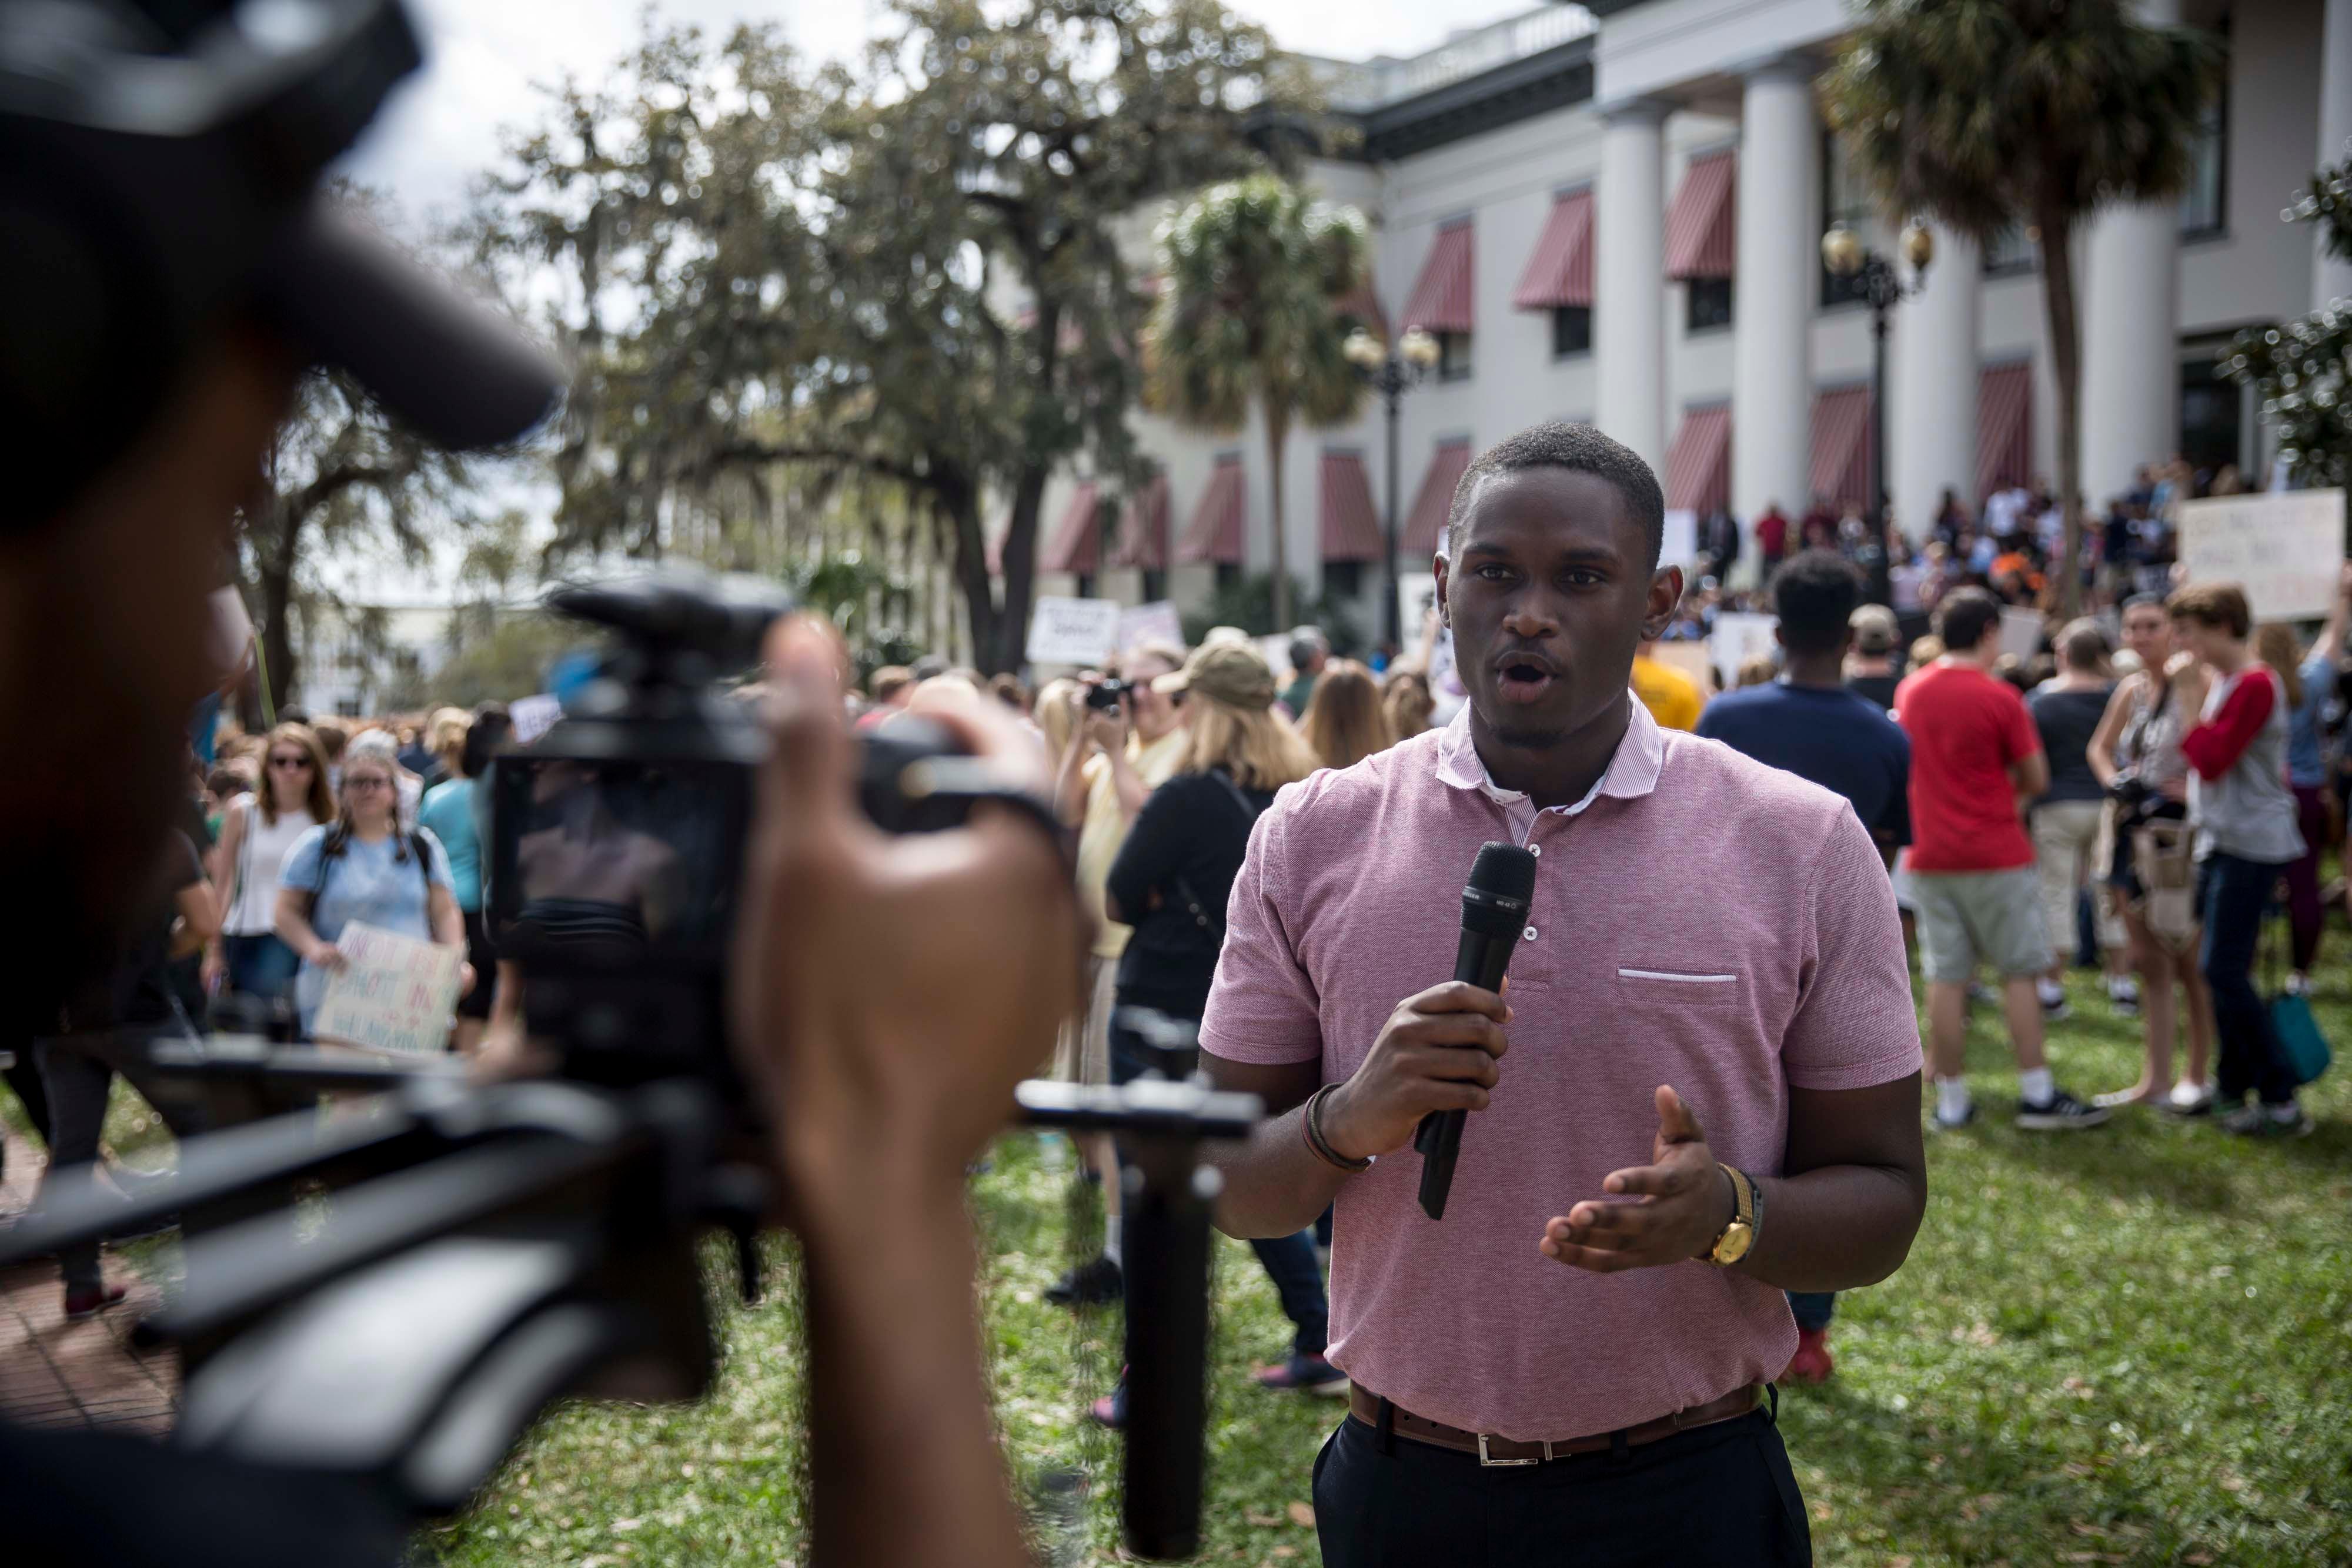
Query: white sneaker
{"points": [[2298, 985]]}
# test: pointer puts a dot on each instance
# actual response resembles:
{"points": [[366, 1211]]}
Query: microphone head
{"points": [[1506, 870], [1502, 882]]}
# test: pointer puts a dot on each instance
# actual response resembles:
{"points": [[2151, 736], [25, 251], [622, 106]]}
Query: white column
{"points": [[1931, 394], [2128, 288], [1775, 294], [1629, 284], [2331, 278]]}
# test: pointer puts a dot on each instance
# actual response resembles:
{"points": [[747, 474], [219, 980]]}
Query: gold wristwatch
{"points": [[1746, 1216]]}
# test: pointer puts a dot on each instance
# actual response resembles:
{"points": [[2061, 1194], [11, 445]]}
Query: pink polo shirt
{"points": [[1699, 920]]}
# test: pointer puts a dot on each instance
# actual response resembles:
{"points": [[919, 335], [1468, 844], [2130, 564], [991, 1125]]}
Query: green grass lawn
{"points": [[2127, 1345]]}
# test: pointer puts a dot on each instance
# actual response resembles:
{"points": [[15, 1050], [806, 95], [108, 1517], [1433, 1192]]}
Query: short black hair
{"points": [[1581, 449], [488, 731], [1964, 616], [1815, 593]]}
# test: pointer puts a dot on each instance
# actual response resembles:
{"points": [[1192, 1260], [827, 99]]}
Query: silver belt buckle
{"points": [[1494, 1464]]}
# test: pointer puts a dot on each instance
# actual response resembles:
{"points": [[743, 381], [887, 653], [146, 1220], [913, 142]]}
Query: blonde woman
{"points": [[257, 832], [1407, 702], [1344, 723], [1170, 881], [1055, 713]]}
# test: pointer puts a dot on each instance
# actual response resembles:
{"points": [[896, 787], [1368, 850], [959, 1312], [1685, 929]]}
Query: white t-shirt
{"points": [[260, 857]]}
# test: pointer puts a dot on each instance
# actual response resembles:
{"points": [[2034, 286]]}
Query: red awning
{"points": [[1349, 526], [1703, 225], [1423, 528], [2004, 427], [1215, 531], [1442, 300], [1144, 530], [1364, 304], [1560, 271], [1077, 540], [1841, 458], [1698, 464]]}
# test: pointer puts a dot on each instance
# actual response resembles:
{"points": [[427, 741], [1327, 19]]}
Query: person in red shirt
{"points": [[1976, 759], [1772, 536]]}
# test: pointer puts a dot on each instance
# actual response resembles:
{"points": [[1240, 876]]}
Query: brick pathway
{"points": [[57, 1374]]}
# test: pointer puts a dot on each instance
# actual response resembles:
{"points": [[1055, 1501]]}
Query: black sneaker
{"points": [[2062, 1112], [1093, 1284]]}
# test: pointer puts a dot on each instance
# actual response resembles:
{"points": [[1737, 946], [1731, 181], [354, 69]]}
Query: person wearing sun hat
{"points": [[1171, 881]]}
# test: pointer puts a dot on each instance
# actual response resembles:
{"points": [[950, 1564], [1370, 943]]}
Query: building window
{"points": [[1707, 304], [1343, 577], [1229, 575], [1155, 585], [2204, 210], [2013, 250], [347, 707], [2213, 416], [1085, 585], [1571, 330], [1453, 356], [1846, 204]]}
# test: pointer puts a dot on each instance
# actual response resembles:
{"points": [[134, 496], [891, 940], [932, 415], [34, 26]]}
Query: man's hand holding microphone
{"points": [[1441, 1049]]}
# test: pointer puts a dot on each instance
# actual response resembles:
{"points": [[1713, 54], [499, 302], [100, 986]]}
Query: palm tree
{"points": [[1982, 114], [1253, 272]]}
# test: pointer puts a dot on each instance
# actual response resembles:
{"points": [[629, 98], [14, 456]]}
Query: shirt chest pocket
{"points": [[1670, 988]]}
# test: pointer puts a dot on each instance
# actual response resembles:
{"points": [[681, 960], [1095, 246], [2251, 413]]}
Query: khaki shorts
{"points": [[1082, 1054], [1966, 918]]}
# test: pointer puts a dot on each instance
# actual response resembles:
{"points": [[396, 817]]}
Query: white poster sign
{"points": [[393, 993], [1275, 648], [2284, 550], [1155, 623], [1681, 545], [2021, 630], [1691, 659], [1073, 631], [534, 716], [1416, 597], [1739, 636]]}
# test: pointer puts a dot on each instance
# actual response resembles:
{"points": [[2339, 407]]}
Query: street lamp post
{"points": [[1882, 287], [1390, 370]]}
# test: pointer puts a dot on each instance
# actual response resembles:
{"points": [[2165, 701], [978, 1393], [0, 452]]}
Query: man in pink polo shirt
{"points": [[1695, 1115]]}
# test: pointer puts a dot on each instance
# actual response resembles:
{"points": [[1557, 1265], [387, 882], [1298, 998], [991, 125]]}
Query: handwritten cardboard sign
{"points": [[2283, 549], [1079, 631], [1739, 636], [1157, 622], [534, 716], [394, 993], [2021, 630]]}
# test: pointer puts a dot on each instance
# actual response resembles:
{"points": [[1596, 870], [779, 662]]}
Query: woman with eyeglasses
{"points": [[257, 832], [364, 866]]}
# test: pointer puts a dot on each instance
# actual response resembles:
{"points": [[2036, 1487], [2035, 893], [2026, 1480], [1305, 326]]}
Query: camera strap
{"points": [[1214, 925]]}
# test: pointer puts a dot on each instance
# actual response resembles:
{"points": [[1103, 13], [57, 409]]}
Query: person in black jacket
{"points": [[1170, 882]]}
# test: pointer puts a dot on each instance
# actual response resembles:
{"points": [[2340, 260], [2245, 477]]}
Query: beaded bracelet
{"points": [[1311, 1125]]}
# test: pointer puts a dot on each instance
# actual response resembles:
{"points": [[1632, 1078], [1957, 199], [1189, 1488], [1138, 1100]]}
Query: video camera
{"points": [[1108, 692], [548, 1229]]}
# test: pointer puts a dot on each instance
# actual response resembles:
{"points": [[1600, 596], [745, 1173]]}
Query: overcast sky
{"points": [[482, 57]]}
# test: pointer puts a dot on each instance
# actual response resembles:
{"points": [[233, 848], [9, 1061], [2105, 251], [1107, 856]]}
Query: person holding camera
{"points": [[1130, 738], [164, 320], [1670, 1123], [2136, 756]]}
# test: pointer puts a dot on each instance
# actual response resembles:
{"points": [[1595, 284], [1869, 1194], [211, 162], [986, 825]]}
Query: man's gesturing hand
{"points": [[1668, 1212], [890, 991], [1437, 1052]]}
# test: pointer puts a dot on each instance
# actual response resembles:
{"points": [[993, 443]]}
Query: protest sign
{"points": [[1416, 597], [1073, 631], [1681, 544], [1691, 659], [1275, 650], [393, 993], [2021, 630], [1739, 636], [2284, 550], [1155, 623], [532, 717]]}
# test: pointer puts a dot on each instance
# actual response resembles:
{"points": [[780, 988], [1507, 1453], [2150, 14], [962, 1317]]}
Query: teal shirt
{"points": [[448, 812]]}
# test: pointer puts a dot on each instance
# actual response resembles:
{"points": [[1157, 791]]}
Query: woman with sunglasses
{"points": [[364, 866], [257, 832]]}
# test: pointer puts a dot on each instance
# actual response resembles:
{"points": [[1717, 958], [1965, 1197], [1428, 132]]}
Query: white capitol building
{"points": [[1613, 214]]}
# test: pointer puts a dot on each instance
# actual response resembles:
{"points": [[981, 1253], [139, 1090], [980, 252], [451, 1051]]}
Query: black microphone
{"points": [[1493, 912]]}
